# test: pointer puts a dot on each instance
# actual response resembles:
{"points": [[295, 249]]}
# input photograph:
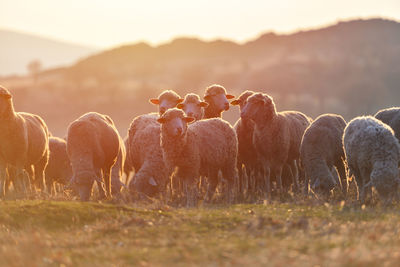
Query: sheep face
{"points": [[193, 106], [84, 183], [142, 183], [385, 181], [259, 108], [166, 100], [5, 101], [174, 122], [217, 98], [323, 186], [242, 100]]}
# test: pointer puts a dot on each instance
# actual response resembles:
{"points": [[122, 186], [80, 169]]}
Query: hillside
{"points": [[350, 68], [18, 49]]}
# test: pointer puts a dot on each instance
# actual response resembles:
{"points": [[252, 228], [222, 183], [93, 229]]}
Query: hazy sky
{"points": [[106, 23]]}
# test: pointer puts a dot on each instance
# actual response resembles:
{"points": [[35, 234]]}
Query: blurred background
{"points": [[61, 59]]}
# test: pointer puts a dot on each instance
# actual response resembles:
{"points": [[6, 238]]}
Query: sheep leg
{"points": [[278, 175], [3, 178], [39, 171], [342, 174], [231, 176], [295, 175], [107, 181], [102, 192], [267, 174], [190, 187], [212, 185]]}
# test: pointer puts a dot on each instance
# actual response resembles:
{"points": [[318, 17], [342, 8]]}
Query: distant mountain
{"points": [[352, 61], [18, 49]]}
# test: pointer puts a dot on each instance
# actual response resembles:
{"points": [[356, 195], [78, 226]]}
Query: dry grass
{"points": [[56, 233]]}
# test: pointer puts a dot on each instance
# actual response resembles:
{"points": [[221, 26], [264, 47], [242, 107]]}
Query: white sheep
{"points": [[372, 153]]}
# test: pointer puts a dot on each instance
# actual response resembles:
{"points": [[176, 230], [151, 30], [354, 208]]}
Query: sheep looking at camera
{"points": [[203, 147], [217, 100], [277, 137]]}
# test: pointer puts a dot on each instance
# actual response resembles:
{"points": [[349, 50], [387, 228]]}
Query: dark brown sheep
{"points": [[93, 144]]}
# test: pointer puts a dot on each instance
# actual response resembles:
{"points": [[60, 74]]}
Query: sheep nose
{"points": [[226, 105], [179, 130]]}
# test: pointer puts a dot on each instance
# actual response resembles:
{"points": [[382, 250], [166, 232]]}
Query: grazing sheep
{"points": [[203, 147], [23, 143], [118, 170], [217, 100], [93, 144], [321, 150], [277, 137], [59, 168], [193, 106], [146, 156], [166, 100], [390, 116], [372, 154]]}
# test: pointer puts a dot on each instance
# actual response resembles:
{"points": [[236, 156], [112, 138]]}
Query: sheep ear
{"points": [[180, 100], [235, 102], [152, 181], [154, 101], [188, 119], [203, 104], [161, 120], [228, 96], [180, 106]]}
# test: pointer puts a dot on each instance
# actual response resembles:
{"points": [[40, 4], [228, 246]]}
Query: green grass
{"points": [[49, 233]]}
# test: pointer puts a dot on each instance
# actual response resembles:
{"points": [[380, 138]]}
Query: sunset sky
{"points": [[106, 23]]}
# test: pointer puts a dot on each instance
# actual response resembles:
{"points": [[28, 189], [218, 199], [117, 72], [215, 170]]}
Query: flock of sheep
{"points": [[187, 151]]}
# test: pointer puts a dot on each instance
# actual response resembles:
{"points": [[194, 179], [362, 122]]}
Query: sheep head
{"points": [[5, 101], [242, 99], [259, 108], [385, 180], [193, 106], [166, 100], [217, 99], [145, 184], [174, 122], [83, 182]]}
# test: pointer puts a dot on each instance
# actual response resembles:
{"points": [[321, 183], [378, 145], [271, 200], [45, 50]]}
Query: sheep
{"points": [[24, 142], [118, 170], [58, 168], [372, 154], [247, 155], [93, 144], [166, 100], [203, 147], [217, 100], [146, 156], [193, 106], [321, 150], [390, 116], [276, 137]]}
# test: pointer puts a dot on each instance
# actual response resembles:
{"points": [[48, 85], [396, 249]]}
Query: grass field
{"points": [[52, 233]]}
